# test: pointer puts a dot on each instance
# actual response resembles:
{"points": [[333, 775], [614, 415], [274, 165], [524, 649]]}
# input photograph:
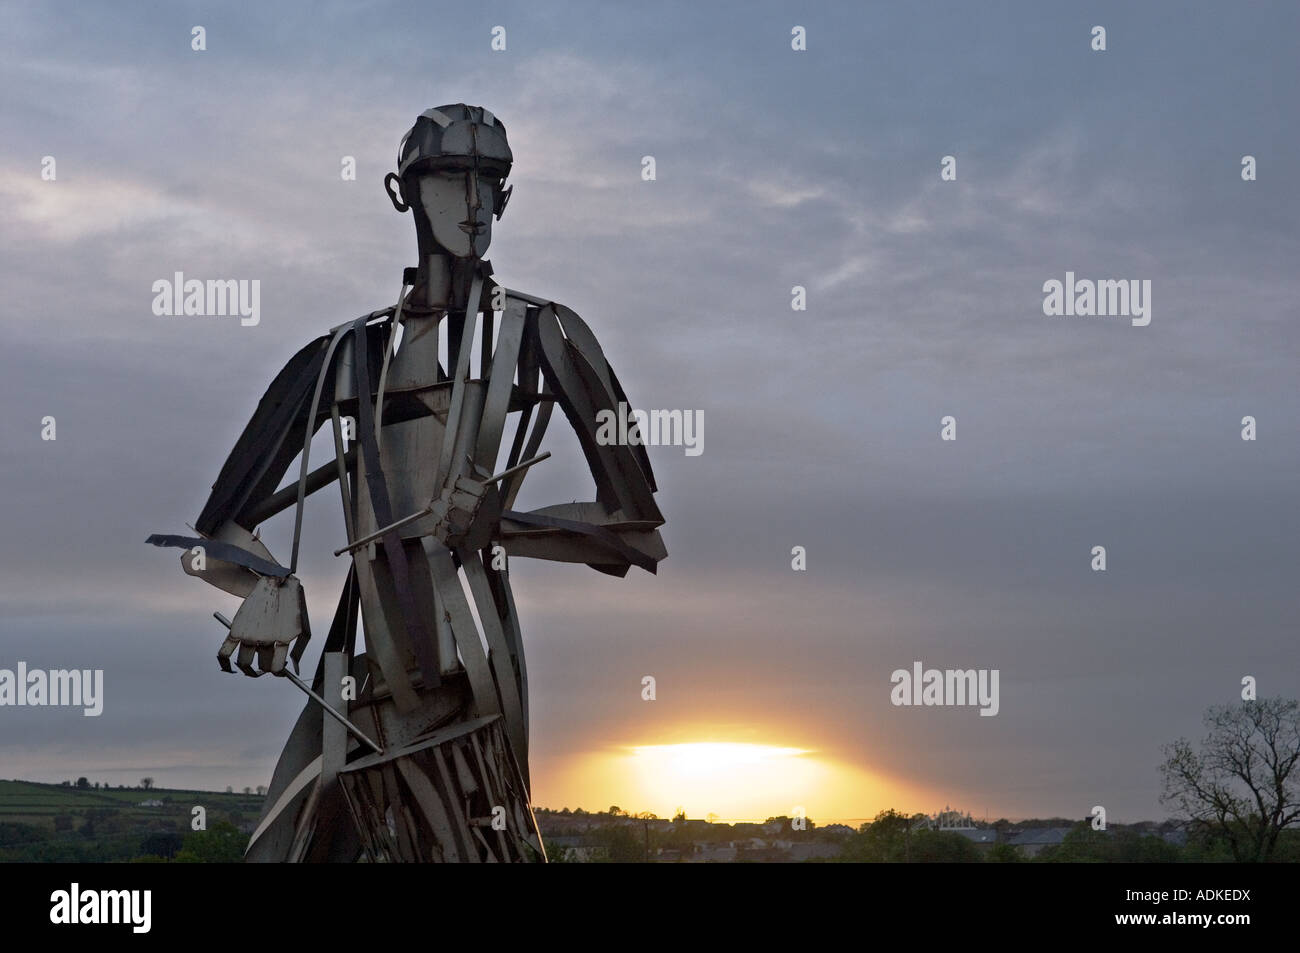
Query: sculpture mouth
{"points": [[471, 228]]}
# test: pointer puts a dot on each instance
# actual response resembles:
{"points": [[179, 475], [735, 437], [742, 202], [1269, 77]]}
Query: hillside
{"points": [[60, 822]]}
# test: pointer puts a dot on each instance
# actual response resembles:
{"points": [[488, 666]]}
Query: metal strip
{"points": [[226, 552], [383, 371], [430, 803], [453, 610], [420, 642], [497, 403], [606, 538], [341, 464], [460, 823], [306, 444], [255, 458], [305, 777], [510, 489], [500, 655], [443, 473], [619, 480], [500, 582]]}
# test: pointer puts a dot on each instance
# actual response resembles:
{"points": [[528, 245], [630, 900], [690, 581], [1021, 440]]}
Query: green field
{"points": [[61, 822]]}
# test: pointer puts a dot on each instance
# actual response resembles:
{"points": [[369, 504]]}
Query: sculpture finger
{"points": [[245, 659], [223, 654], [279, 655]]}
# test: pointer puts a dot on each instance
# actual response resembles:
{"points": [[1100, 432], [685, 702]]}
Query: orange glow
{"points": [[734, 781]]}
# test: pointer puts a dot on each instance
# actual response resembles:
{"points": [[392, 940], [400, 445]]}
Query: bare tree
{"points": [[1243, 784], [146, 783]]}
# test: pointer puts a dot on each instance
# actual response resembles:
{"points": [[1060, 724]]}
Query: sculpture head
{"points": [[451, 172]]}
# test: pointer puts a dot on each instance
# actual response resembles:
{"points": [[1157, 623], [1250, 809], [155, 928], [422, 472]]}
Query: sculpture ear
{"points": [[502, 199], [393, 188]]}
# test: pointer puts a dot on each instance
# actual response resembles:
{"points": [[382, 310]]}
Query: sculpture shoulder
{"points": [[557, 322], [381, 316], [563, 313], [585, 383], [276, 431]]}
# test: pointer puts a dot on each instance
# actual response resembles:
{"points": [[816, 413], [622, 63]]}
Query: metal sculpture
{"points": [[416, 749]]}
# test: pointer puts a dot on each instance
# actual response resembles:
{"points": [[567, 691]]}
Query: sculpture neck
{"points": [[442, 282]]}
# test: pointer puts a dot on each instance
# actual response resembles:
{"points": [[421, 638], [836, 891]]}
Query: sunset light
{"points": [[711, 760], [730, 780]]}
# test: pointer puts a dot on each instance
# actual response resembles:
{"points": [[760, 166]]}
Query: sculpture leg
{"points": [[457, 796]]}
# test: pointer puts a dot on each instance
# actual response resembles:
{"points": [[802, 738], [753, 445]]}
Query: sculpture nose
{"points": [[473, 199]]}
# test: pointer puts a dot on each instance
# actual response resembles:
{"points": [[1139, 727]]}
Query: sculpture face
{"points": [[458, 206]]}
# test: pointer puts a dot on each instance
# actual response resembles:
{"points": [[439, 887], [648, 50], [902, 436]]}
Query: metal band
{"points": [[497, 403], [308, 432], [383, 372], [420, 640], [445, 473], [508, 688], [607, 538], [226, 552]]}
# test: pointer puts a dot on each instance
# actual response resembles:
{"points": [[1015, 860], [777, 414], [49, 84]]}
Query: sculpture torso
{"points": [[441, 686]]}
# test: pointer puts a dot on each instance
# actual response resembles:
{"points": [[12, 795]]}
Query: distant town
{"points": [[947, 836], [86, 821]]}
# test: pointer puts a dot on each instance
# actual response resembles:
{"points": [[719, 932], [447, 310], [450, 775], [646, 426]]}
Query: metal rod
{"points": [[329, 709], [380, 533], [287, 497], [511, 471]]}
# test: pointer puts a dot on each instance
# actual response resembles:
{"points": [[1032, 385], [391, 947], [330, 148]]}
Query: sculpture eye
{"points": [[502, 198]]}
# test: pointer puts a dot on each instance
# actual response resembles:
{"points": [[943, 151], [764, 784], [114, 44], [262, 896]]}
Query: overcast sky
{"points": [[775, 168]]}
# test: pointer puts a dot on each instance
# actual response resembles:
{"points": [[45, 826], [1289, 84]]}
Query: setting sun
{"points": [[728, 779], [731, 780]]}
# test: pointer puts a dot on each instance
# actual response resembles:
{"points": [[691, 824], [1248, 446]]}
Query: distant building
{"points": [[951, 820], [576, 849], [712, 853], [150, 803], [1032, 841], [813, 851]]}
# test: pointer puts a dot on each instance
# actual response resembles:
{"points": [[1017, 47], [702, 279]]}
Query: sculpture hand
{"points": [[268, 623], [461, 517]]}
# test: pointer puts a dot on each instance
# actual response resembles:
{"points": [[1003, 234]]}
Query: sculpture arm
{"points": [[620, 528], [227, 554]]}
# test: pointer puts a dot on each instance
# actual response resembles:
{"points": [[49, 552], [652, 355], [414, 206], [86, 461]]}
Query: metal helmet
{"points": [[457, 137]]}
